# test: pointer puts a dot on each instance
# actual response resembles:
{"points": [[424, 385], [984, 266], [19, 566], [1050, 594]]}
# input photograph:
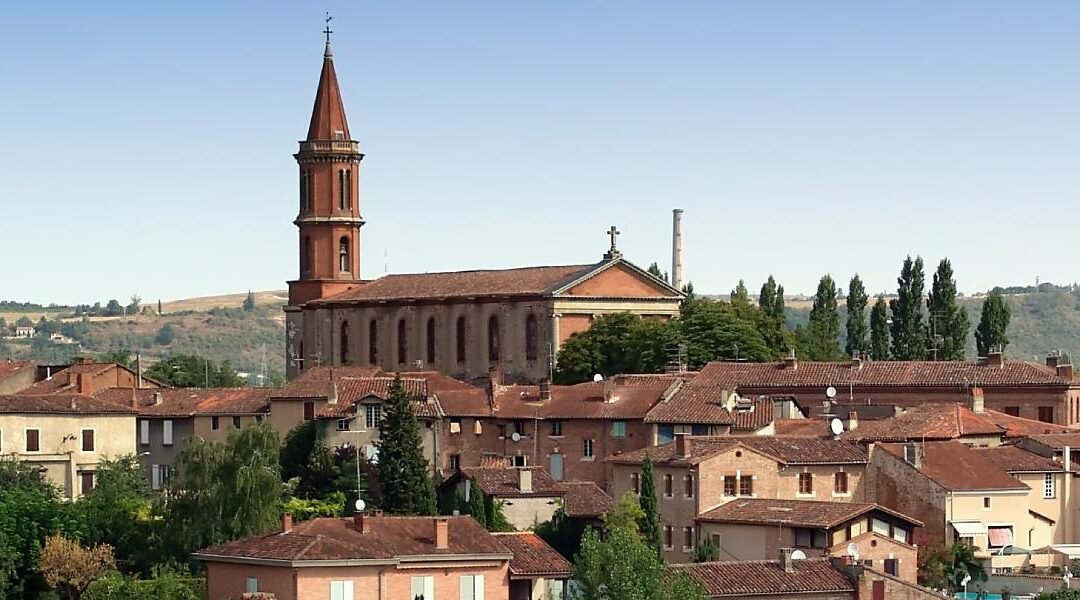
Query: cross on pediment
{"points": [[613, 232]]}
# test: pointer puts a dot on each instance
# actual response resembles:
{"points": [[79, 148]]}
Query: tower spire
{"points": [[328, 116], [328, 31]]}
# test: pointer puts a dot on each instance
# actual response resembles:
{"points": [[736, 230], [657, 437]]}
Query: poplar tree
{"points": [[767, 297], [739, 295], [404, 474], [771, 307], [823, 330], [879, 330], [908, 331], [857, 342], [948, 320], [992, 332], [650, 520]]}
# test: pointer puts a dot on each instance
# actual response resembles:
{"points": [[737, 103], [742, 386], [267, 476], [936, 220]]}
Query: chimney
{"points": [[609, 390], [442, 533], [138, 371], [545, 390], [978, 401], [82, 383], [525, 481], [856, 362], [913, 455], [157, 398], [852, 421], [787, 563], [1065, 370], [790, 361], [494, 382], [82, 360], [1053, 359], [286, 522], [682, 446], [676, 248], [995, 358], [1067, 458], [362, 522]]}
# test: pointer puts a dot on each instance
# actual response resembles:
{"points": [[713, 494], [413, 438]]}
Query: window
{"points": [[699, 430], [519, 428], [87, 440], [33, 440], [343, 255], [344, 343], [459, 336], [166, 432], [810, 538], [144, 432], [730, 485], [372, 416], [688, 539], [518, 461], [251, 586], [556, 428], [1048, 485], [343, 425], [215, 424], [532, 337], [891, 565], [341, 590], [373, 342], [402, 343], [1046, 414], [431, 341], [472, 587], [305, 190], [309, 411], [618, 429], [669, 533], [688, 486], [806, 483], [455, 425], [155, 477], [345, 191], [86, 481], [746, 485], [493, 338], [665, 434], [840, 483], [668, 486], [455, 462], [1012, 411], [586, 448], [986, 502], [423, 588], [635, 482], [305, 258], [236, 422]]}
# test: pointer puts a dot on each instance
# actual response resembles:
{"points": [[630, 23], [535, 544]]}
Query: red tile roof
{"points": [[60, 404], [533, 557], [742, 579], [1019, 427], [188, 402], [801, 428], [892, 373], [9, 367], [699, 402], [958, 467], [315, 382], [785, 450], [1014, 459], [621, 397], [1058, 441], [65, 380], [338, 539], [352, 390], [585, 499], [503, 482], [926, 422], [794, 513]]}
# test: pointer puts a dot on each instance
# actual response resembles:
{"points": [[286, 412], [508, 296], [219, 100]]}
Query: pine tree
{"points": [[993, 329], [879, 330], [949, 323], [404, 473], [249, 301], [908, 331], [650, 521], [654, 270], [739, 295], [823, 331], [857, 338]]}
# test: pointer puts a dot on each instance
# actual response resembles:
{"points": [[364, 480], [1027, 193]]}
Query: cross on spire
{"points": [[613, 232], [328, 31]]}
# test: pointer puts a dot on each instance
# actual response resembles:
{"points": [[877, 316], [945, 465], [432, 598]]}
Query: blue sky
{"points": [[147, 146]]}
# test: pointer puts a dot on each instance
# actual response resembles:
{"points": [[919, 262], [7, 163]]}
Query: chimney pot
{"points": [[1053, 359], [1065, 370], [286, 522], [978, 400], [525, 481], [682, 446], [442, 533], [791, 361], [545, 390], [995, 358], [786, 561]]}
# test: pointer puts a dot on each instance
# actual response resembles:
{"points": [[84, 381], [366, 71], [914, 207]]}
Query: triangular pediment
{"points": [[617, 279]]}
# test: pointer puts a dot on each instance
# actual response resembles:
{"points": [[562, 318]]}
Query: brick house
{"points": [[537, 571], [698, 407], [86, 377], [694, 475], [441, 558]]}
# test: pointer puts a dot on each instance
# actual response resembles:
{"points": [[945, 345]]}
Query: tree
{"points": [[249, 301], [188, 370], [715, 330], [296, 451], [774, 325], [117, 512], [943, 567], [879, 330], [625, 514], [165, 335], [908, 330], [993, 329], [404, 473], [858, 342], [706, 550], [654, 270], [739, 295], [477, 506], [767, 296], [617, 343], [822, 333], [650, 518], [133, 307], [1062, 594], [949, 323], [24, 321], [70, 568], [623, 567]]}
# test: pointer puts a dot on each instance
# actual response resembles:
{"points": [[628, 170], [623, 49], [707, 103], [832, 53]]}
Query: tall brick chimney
{"points": [[787, 563], [286, 522], [82, 383], [545, 390], [362, 522], [442, 533]]}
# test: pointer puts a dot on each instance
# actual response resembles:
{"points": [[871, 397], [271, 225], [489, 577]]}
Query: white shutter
{"points": [[347, 590], [166, 432], [478, 587], [336, 590], [466, 587], [429, 588], [155, 477], [144, 432], [252, 585]]}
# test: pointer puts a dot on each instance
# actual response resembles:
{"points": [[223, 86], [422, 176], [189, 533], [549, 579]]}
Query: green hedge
{"points": [[118, 587]]}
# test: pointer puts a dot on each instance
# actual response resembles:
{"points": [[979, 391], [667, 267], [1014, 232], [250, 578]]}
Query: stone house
{"points": [[537, 571], [16, 375]]}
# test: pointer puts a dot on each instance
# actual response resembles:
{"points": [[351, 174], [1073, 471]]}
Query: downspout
{"points": [[1066, 494]]}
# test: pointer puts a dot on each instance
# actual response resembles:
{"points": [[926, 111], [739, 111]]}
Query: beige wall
{"points": [[204, 426], [525, 513], [114, 436]]}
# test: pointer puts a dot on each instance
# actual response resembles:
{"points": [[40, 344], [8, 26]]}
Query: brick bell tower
{"points": [[329, 209]]}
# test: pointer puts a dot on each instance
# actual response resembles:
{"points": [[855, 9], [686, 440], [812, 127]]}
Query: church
{"points": [[466, 324]]}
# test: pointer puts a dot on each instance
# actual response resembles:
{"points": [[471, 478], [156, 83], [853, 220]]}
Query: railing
{"points": [[349, 146]]}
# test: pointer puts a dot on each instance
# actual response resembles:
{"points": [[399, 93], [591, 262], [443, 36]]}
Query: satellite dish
{"points": [[598, 378], [360, 506], [515, 436], [830, 392], [798, 555], [853, 551], [836, 426]]}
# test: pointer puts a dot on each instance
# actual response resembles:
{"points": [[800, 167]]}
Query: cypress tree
{"points": [[739, 295], [992, 332], [650, 521], [949, 323], [857, 342], [404, 474], [908, 329], [477, 506], [778, 304], [767, 297], [823, 330], [879, 330]]}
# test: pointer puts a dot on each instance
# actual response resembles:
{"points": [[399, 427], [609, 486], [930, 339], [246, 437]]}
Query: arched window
{"points": [[431, 341], [344, 350], [305, 258], [459, 336], [373, 342], [344, 264], [305, 191], [345, 183], [493, 338], [532, 337], [402, 344]]}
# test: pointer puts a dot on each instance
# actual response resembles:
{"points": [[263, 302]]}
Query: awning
{"points": [[1000, 536], [969, 528], [1070, 550]]}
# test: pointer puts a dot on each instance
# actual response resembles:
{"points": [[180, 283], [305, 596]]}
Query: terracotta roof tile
{"points": [[795, 513], [958, 467], [1014, 459], [9, 367], [315, 382], [801, 428], [1057, 441], [786, 450], [926, 422], [621, 397], [187, 402], [60, 404], [1019, 427], [533, 557], [504, 482], [338, 539], [352, 390], [64, 380], [701, 403], [740, 579], [585, 499]]}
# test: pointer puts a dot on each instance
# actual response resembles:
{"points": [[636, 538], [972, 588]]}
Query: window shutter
{"points": [[478, 587], [155, 477], [144, 432], [466, 587], [337, 590], [429, 588], [347, 590], [88, 440]]}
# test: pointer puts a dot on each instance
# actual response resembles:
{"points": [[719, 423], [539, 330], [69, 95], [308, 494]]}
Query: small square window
{"points": [[455, 462], [33, 440], [618, 429], [215, 423], [556, 428], [731, 484], [343, 425], [746, 485], [586, 448], [236, 422]]}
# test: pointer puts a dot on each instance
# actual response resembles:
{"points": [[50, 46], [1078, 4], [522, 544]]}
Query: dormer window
{"points": [[339, 135]]}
